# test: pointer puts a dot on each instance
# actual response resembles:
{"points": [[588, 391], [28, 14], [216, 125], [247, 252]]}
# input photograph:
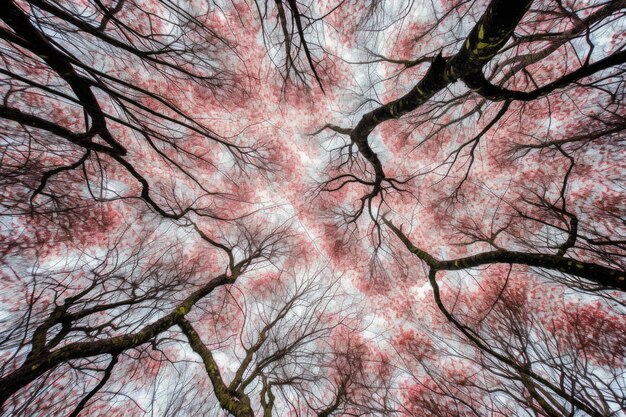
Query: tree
{"points": [[521, 354], [312, 208]]}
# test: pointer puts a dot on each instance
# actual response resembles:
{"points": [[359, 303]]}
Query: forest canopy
{"points": [[313, 208]]}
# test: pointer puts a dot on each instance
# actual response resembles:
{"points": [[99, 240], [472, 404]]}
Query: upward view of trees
{"points": [[313, 208]]}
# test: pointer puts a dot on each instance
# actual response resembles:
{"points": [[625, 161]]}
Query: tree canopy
{"points": [[312, 208]]}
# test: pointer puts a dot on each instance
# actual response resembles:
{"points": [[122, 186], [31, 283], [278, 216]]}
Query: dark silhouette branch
{"points": [[107, 374], [487, 37], [601, 275], [480, 85]]}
